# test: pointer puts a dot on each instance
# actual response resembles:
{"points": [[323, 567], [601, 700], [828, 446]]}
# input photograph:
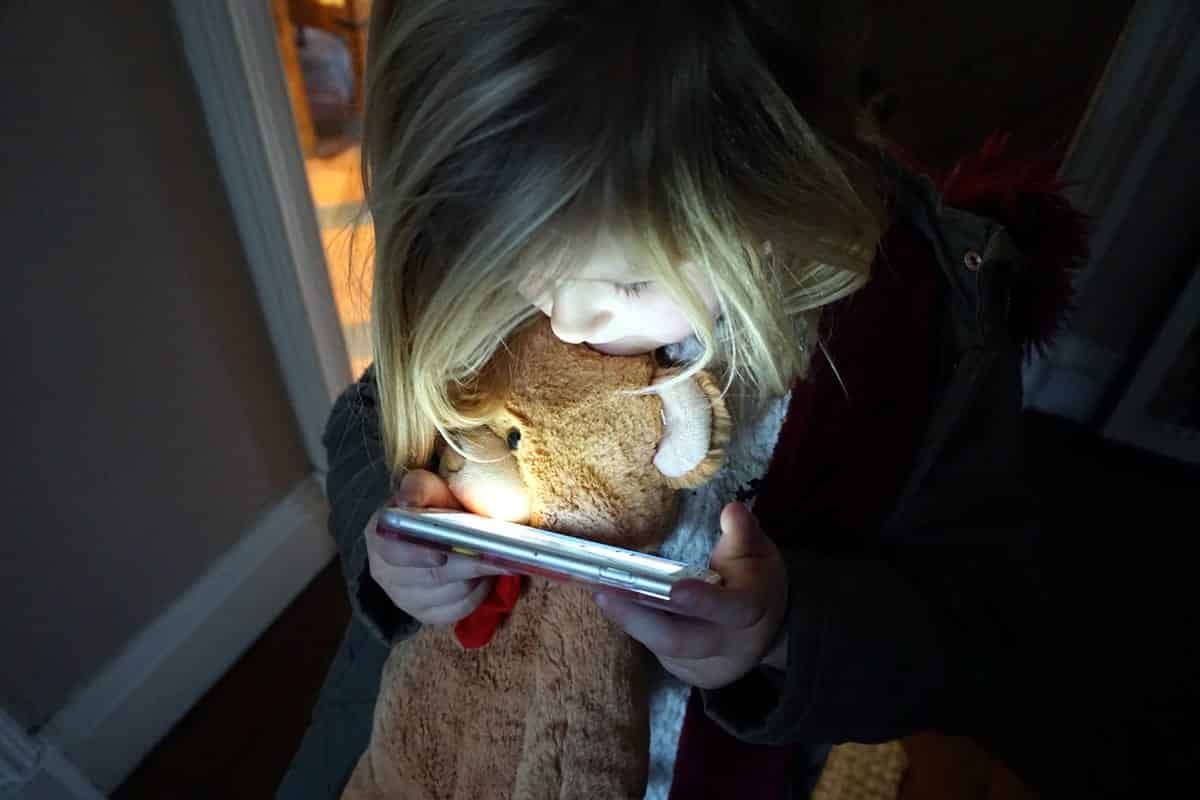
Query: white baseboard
{"points": [[118, 718]]}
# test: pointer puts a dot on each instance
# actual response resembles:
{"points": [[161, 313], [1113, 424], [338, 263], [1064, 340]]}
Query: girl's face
{"points": [[614, 308]]}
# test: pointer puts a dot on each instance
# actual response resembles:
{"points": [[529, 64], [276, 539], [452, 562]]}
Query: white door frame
{"points": [[234, 57]]}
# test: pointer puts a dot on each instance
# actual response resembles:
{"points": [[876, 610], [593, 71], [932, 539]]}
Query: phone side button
{"points": [[617, 576]]}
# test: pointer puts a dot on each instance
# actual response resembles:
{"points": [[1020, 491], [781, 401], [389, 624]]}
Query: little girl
{"points": [[688, 178]]}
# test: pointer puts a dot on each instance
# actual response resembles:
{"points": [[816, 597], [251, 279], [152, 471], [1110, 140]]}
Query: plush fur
{"points": [[555, 705]]}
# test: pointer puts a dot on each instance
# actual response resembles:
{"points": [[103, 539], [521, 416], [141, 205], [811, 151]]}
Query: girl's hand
{"points": [[720, 632], [433, 587]]}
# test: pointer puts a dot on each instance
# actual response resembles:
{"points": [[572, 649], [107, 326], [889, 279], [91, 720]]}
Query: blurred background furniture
{"points": [[323, 46], [346, 19]]}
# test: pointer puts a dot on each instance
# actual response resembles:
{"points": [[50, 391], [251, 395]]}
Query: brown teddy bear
{"points": [[556, 703]]}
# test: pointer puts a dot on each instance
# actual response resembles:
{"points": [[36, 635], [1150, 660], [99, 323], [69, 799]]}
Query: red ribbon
{"points": [[477, 628]]}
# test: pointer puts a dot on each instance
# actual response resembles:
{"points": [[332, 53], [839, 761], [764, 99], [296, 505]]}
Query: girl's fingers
{"points": [[666, 635], [453, 612], [426, 599], [729, 608], [421, 488], [456, 569], [741, 537], [399, 553], [744, 556]]}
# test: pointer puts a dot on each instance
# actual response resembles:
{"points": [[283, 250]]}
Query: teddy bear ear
{"points": [[696, 428]]}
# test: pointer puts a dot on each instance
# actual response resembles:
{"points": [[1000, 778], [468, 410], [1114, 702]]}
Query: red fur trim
{"points": [[1024, 194]]}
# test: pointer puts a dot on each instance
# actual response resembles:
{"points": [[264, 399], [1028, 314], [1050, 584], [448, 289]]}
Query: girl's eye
{"points": [[514, 439], [632, 289]]}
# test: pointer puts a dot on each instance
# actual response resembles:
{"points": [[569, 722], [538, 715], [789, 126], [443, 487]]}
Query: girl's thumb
{"points": [[741, 536]]}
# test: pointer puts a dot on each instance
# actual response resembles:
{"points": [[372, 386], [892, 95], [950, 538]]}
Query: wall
{"points": [[145, 423], [960, 71]]}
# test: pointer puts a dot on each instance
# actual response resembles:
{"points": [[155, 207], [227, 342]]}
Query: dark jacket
{"points": [[935, 620]]}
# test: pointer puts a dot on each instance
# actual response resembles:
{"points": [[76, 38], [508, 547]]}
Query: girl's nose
{"points": [[576, 315]]}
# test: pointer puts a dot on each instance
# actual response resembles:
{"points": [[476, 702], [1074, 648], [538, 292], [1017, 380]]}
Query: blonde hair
{"points": [[501, 135]]}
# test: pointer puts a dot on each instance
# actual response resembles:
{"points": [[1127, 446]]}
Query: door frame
{"points": [[234, 57]]}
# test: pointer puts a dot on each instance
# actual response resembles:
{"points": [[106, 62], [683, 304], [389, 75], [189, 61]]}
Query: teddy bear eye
{"points": [[514, 439]]}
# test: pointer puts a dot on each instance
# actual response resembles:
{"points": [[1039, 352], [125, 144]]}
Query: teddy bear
{"points": [[539, 695]]}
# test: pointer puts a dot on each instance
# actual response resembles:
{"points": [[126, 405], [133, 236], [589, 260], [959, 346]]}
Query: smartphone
{"points": [[532, 551]]}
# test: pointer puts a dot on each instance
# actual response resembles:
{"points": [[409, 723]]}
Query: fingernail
{"points": [[600, 600]]}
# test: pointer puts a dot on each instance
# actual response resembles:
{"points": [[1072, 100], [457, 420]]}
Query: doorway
{"points": [[322, 47]]}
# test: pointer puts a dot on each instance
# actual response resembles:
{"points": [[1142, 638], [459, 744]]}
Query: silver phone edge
{"points": [[581, 567]]}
